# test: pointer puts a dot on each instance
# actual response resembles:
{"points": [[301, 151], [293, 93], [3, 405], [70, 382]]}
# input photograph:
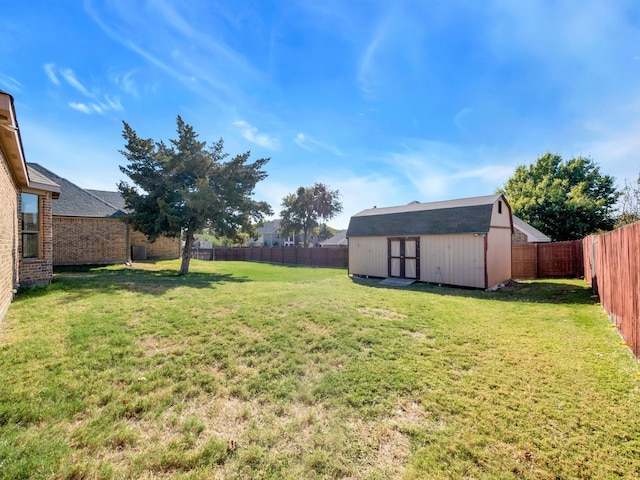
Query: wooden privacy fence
{"points": [[612, 268], [547, 260], [312, 256]]}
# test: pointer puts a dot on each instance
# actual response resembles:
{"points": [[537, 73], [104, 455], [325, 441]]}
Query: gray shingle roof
{"points": [[271, 226], [465, 215], [112, 198], [339, 238], [532, 233], [75, 201]]}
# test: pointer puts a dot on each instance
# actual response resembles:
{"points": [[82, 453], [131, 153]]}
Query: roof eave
{"points": [[11, 141]]}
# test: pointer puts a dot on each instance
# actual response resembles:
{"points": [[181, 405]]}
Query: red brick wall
{"points": [[103, 241], [87, 241], [518, 237], [8, 235], [162, 248], [39, 271]]}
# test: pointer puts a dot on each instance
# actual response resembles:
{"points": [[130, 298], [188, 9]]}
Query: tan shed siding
{"points": [[81, 240], [162, 248], [501, 219], [8, 235], [499, 256], [39, 271], [368, 256], [452, 260]]}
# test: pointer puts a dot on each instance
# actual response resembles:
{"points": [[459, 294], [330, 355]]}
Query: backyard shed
{"points": [[464, 242]]}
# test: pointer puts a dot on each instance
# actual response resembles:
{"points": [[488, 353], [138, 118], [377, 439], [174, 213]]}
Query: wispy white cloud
{"points": [[440, 171], [49, 69], [126, 82], [461, 116], [198, 58], [97, 103], [250, 133], [73, 81], [367, 70], [9, 83], [305, 141], [81, 107]]}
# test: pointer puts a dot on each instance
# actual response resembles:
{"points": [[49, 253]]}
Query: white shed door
{"points": [[404, 257]]}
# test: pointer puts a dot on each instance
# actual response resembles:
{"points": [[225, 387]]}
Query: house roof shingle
{"points": [[532, 233], [339, 238], [75, 201], [272, 226], [465, 215]]}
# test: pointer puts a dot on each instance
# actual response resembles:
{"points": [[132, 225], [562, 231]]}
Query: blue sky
{"points": [[386, 101]]}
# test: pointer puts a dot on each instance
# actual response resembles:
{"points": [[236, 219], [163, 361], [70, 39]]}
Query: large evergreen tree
{"points": [[565, 200], [304, 210], [185, 187]]}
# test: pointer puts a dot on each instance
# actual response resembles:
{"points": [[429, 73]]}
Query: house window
{"points": [[30, 225], [499, 206]]}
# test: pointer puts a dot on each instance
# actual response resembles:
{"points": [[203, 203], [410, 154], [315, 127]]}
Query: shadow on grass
{"points": [[82, 281], [537, 291]]}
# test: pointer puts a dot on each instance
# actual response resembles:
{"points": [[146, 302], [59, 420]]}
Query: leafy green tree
{"points": [[565, 200], [185, 187], [304, 210], [629, 203], [326, 232]]}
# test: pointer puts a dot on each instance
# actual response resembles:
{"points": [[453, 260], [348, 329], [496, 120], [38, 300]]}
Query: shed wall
{"points": [[368, 256], [447, 259], [501, 215], [452, 260], [498, 256]]}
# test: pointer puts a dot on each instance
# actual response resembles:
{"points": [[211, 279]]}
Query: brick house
{"points": [[524, 233], [88, 229], [25, 213]]}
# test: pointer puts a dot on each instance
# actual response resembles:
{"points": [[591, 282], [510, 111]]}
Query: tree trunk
{"points": [[186, 253]]}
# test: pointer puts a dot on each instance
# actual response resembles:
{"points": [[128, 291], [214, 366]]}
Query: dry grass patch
{"points": [[381, 313]]}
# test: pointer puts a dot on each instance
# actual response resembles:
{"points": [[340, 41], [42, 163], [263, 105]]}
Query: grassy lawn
{"points": [[245, 370]]}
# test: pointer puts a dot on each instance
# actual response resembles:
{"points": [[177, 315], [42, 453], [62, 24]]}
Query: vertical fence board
{"points": [[612, 268], [547, 260], [313, 256]]}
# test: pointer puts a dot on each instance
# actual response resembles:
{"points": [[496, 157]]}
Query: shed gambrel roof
{"points": [[465, 215], [75, 201]]}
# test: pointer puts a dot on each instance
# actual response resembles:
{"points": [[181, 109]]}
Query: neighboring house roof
{"points": [[465, 215], [114, 199], [75, 201], [532, 233], [339, 238], [271, 226]]}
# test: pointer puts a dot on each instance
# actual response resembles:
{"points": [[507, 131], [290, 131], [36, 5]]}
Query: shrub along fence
{"points": [[547, 260], [612, 268], [312, 256]]}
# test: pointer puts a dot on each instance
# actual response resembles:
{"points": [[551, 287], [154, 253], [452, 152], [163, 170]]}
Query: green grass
{"points": [[246, 370]]}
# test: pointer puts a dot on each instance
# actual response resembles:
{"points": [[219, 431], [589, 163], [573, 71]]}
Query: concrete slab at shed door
{"points": [[397, 282]]}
